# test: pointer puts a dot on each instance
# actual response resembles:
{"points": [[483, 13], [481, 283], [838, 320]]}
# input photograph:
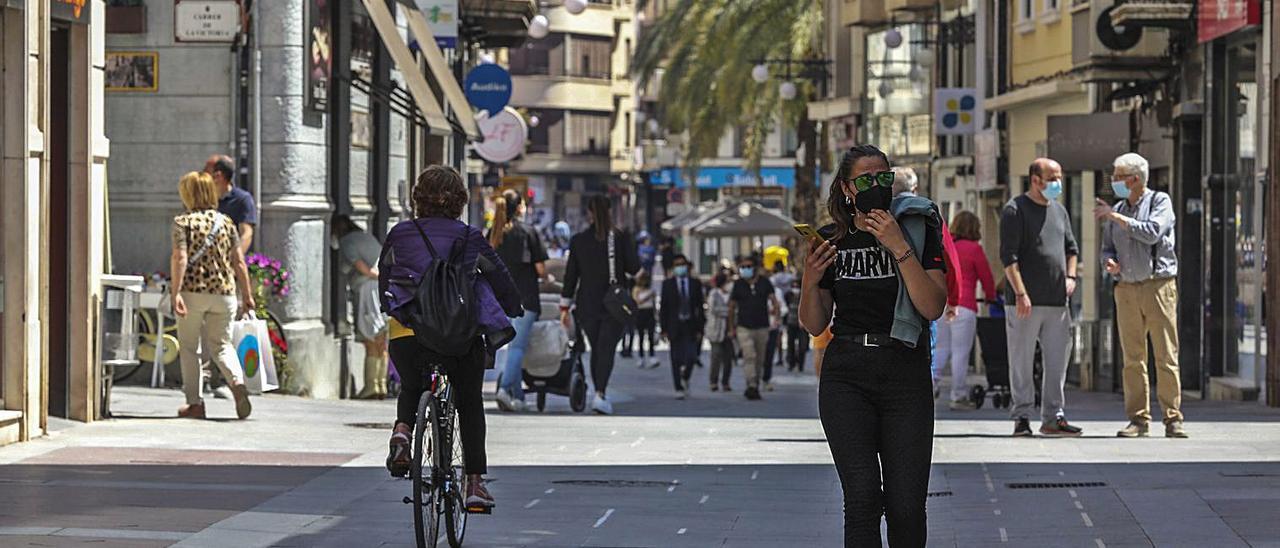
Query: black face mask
{"points": [[876, 197]]}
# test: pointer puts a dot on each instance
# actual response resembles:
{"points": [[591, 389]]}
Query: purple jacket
{"points": [[405, 258]]}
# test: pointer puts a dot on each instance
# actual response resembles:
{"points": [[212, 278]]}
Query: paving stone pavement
{"points": [[714, 470]]}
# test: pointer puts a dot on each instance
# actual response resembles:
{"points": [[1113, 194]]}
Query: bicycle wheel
{"points": [[426, 496], [455, 505]]}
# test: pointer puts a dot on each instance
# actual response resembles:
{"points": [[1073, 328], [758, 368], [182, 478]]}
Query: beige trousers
{"points": [[753, 343], [1149, 308], [207, 325]]}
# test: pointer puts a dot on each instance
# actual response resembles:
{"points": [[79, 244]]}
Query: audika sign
{"points": [[488, 87]]}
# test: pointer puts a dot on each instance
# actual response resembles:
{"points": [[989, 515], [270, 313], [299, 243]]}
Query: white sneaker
{"points": [[601, 405], [682, 394], [506, 401]]}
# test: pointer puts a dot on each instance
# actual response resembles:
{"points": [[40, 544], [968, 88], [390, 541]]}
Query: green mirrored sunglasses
{"points": [[865, 181]]}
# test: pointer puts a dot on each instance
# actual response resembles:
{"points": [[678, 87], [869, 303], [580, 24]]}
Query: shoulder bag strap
{"points": [[208, 240], [613, 275]]}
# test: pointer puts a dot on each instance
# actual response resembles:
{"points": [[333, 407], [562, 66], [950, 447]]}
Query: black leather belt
{"points": [[872, 340]]}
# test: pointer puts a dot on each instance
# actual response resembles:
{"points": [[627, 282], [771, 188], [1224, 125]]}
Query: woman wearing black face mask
{"points": [[881, 269]]}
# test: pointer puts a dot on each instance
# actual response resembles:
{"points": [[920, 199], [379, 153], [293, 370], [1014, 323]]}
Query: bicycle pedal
{"points": [[407, 500]]}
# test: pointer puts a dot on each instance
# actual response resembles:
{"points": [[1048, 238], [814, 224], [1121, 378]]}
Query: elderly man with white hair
{"points": [[1138, 251]]}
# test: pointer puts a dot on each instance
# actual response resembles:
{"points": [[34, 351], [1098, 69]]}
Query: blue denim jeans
{"points": [[512, 372]]}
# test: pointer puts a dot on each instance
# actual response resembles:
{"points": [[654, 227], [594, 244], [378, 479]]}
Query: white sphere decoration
{"points": [[916, 74], [925, 57], [575, 6], [760, 73], [885, 90], [487, 58], [787, 90], [652, 126], [539, 26], [893, 38], [534, 121]]}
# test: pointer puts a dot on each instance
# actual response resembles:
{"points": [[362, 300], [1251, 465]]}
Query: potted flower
{"points": [[271, 282]]}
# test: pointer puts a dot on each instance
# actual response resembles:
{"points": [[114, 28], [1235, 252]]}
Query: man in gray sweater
{"points": [[1039, 253]]}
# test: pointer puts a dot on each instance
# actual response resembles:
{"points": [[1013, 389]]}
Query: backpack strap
{"points": [[460, 245], [430, 248], [613, 276]]}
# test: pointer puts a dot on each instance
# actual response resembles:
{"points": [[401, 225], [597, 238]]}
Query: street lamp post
{"points": [[805, 208]]}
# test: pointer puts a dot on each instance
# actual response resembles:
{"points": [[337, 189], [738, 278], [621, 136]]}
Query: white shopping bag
{"points": [[253, 346]]}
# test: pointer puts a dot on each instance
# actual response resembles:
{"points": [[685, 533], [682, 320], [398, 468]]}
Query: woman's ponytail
{"points": [[499, 230]]}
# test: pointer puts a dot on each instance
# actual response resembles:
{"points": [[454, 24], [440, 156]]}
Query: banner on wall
{"points": [[957, 111], [1218, 18], [442, 17], [318, 62]]}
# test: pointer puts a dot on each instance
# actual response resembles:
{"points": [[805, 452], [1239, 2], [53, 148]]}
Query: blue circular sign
{"points": [[488, 87]]}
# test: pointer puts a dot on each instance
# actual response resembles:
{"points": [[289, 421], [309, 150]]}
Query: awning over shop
{"points": [[441, 72], [720, 177], [403, 58], [744, 219]]}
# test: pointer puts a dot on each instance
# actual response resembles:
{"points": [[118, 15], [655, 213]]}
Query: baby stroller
{"points": [[553, 361], [995, 355]]}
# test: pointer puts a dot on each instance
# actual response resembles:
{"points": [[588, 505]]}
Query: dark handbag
{"points": [[617, 300]]}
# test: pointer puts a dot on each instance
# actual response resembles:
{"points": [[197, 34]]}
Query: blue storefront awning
{"points": [[720, 177]]}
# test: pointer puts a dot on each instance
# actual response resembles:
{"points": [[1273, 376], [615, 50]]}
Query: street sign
{"points": [[488, 87], [504, 136], [206, 20], [442, 17], [956, 111]]}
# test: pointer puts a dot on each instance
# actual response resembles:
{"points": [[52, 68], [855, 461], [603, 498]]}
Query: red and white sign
{"points": [[504, 136], [1217, 18]]}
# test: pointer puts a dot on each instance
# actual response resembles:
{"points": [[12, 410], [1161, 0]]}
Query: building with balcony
{"points": [[574, 89]]}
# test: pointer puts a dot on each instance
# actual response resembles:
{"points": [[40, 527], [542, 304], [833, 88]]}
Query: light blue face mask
{"points": [[682, 271], [746, 271], [1053, 190], [1120, 188]]}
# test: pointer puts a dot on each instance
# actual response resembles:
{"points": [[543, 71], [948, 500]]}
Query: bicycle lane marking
{"points": [[603, 518]]}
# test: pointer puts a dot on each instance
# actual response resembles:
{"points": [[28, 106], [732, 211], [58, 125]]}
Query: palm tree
{"points": [[706, 50]]}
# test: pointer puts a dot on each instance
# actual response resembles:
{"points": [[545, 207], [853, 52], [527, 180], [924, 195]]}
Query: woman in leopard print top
{"points": [[207, 267]]}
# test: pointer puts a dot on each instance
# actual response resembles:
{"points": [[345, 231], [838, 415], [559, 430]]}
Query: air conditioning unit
{"points": [[863, 13], [1107, 52]]}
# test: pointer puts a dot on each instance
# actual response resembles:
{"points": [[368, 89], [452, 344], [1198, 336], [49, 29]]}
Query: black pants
{"points": [[771, 351], [684, 353], [797, 346], [877, 411], [723, 354], [646, 324], [603, 333], [465, 373]]}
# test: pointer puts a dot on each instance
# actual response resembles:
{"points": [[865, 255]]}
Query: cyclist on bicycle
{"points": [[438, 200]]}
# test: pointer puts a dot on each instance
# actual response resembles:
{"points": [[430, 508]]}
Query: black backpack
{"points": [[443, 312]]}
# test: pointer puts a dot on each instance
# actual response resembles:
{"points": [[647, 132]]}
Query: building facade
{"points": [[52, 195]]}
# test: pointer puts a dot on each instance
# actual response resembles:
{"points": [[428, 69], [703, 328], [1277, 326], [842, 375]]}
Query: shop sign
{"points": [[206, 20], [442, 18], [318, 61], [1086, 142], [504, 136], [75, 11], [1217, 18], [957, 111], [488, 87], [756, 192]]}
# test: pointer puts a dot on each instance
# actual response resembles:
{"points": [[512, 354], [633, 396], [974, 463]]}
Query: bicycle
{"points": [[439, 480]]}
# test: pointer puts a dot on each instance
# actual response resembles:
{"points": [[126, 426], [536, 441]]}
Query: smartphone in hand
{"points": [[808, 232]]}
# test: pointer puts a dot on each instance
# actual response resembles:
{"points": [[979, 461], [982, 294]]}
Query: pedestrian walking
{"points": [[881, 270], [410, 250], [957, 329], [239, 205], [797, 338], [753, 311], [359, 252], [646, 323], [1138, 252], [781, 281], [683, 319], [717, 329], [208, 265], [521, 250], [601, 259], [1039, 253]]}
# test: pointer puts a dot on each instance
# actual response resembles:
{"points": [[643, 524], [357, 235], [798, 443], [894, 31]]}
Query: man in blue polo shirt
{"points": [[236, 202]]}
